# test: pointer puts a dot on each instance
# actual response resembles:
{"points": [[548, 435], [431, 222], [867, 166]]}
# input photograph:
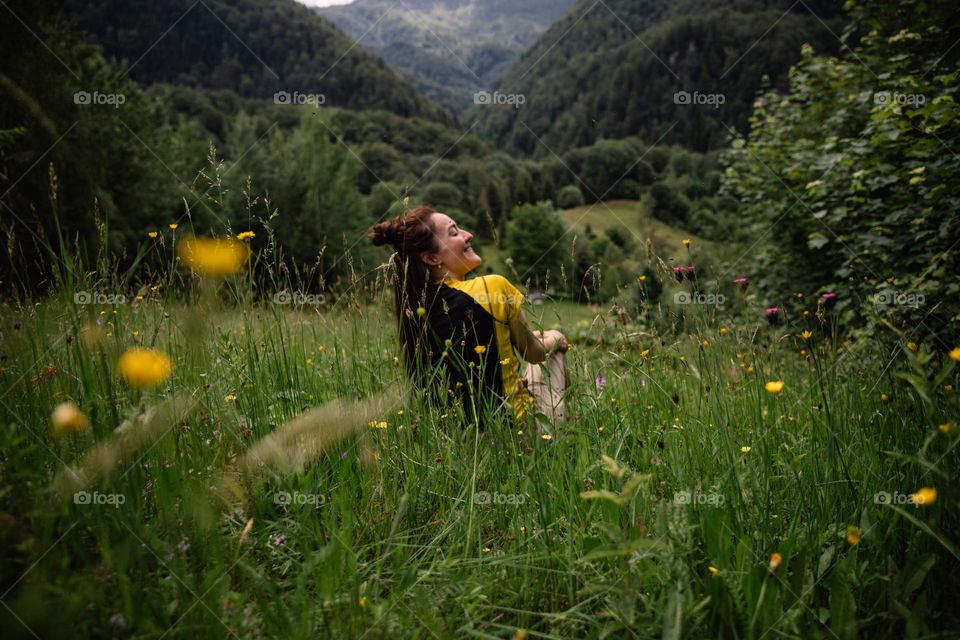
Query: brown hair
{"points": [[411, 235]]}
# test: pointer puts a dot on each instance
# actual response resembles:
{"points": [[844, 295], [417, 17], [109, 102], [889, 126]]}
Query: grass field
{"points": [[688, 498]]}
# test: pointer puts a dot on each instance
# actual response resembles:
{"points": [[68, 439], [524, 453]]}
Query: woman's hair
{"points": [[411, 235]]}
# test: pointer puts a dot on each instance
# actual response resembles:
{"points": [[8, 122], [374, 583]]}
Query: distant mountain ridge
{"points": [[256, 48], [448, 49], [615, 69]]}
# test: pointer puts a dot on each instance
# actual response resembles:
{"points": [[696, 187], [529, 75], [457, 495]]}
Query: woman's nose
{"points": [[469, 236]]}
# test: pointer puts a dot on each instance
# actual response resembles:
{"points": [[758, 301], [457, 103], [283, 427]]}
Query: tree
{"points": [[569, 197], [535, 242]]}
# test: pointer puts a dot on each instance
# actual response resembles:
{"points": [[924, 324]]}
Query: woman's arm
{"points": [[534, 347]]}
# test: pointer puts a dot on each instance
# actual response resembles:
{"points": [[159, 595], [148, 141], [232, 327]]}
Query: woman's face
{"points": [[454, 253]]}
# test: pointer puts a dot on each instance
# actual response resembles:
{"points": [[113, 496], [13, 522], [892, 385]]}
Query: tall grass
{"points": [[682, 499]]}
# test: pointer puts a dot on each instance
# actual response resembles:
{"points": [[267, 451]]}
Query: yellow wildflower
{"points": [[505, 362], [946, 427], [642, 278], [745, 449], [925, 496], [774, 387], [806, 335], [775, 559], [713, 571], [246, 235], [67, 417], [884, 398], [547, 437], [214, 257], [480, 349], [144, 368], [723, 331], [229, 398], [173, 226], [645, 353], [686, 243], [320, 348], [912, 346], [853, 535], [152, 234], [362, 601], [955, 354]]}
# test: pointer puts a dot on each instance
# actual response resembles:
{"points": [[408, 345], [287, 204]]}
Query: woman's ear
{"points": [[430, 259]]}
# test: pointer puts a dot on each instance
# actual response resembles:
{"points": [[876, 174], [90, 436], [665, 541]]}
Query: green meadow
{"points": [[685, 498]]}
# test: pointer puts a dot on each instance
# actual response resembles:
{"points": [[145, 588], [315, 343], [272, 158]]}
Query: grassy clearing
{"points": [[684, 499], [634, 216]]}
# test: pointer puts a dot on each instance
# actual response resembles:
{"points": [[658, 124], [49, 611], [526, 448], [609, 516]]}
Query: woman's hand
{"points": [[535, 346], [553, 341]]}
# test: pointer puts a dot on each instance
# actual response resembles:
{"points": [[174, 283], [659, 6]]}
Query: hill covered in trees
{"points": [[253, 48], [684, 71]]}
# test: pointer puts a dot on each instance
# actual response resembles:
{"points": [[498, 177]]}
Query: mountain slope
{"points": [[448, 49], [253, 47], [611, 73]]}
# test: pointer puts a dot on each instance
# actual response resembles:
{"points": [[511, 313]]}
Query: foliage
{"points": [[535, 241], [849, 183], [73, 166], [569, 197]]}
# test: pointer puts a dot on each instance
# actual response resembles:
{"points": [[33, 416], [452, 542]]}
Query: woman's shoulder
{"points": [[497, 294], [495, 281]]}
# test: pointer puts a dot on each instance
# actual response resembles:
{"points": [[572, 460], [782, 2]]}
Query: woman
{"points": [[465, 338]]}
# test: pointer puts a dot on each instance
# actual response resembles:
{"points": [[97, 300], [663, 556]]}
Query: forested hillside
{"points": [[255, 48], [616, 72]]}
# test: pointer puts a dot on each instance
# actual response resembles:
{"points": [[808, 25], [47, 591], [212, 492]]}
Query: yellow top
{"points": [[501, 300]]}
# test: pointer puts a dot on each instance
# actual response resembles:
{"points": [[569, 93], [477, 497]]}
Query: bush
{"points": [[535, 242], [570, 197]]}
